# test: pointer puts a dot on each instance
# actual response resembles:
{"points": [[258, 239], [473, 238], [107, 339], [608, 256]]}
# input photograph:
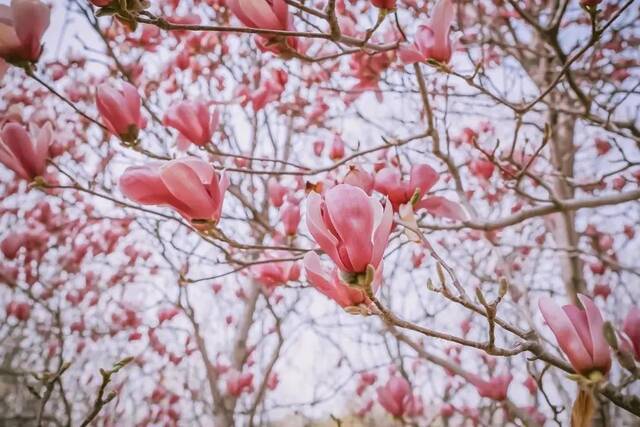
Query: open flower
{"points": [[351, 227], [432, 40], [395, 396], [579, 334], [21, 28], [272, 274], [331, 285], [422, 178], [22, 153], [190, 186], [495, 388]]}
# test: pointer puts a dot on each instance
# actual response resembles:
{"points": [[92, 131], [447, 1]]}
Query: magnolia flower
{"points": [[193, 121], [366, 379], [290, 216], [482, 168], [432, 40], [21, 28], [395, 396], [495, 388], [268, 15], [190, 186], [337, 149], [349, 226], [579, 334], [422, 178], [272, 274], [332, 286], [12, 243], [238, 383], [359, 177], [276, 192], [120, 110], [22, 153]]}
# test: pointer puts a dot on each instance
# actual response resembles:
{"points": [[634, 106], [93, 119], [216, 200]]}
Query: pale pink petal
{"points": [[327, 241], [9, 159], [566, 334], [381, 234], [351, 215], [185, 185], [144, 185], [442, 207], [18, 142], [601, 354], [423, 177], [31, 20]]}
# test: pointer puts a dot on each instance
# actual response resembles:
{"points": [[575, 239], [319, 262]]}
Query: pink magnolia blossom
{"points": [[24, 154], [318, 147], [238, 383], [20, 310], [422, 178], [120, 110], [190, 186], [482, 168], [432, 40], [495, 388], [349, 226], [268, 15], [631, 328], [579, 334], [359, 177], [276, 192], [193, 121], [332, 286], [12, 243], [290, 217], [272, 274], [396, 398], [366, 379], [21, 28], [337, 149]]}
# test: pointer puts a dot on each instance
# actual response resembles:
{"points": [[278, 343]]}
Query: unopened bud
{"points": [[480, 297], [430, 285], [441, 275], [626, 360], [504, 287], [609, 333]]}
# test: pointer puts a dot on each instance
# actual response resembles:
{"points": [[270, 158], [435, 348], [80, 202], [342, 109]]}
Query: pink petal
{"points": [[17, 141], [601, 354], [423, 177], [441, 26], [566, 334], [185, 185], [442, 207], [408, 54], [144, 185], [388, 181], [381, 234], [327, 241], [9, 159], [31, 19], [351, 215]]}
